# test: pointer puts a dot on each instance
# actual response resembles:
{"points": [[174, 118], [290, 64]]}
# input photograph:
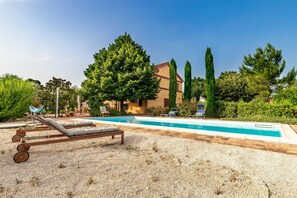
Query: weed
{"points": [[155, 147], [218, 191], [148, 161], [35, 181], [1, 188], [130, 148], [2, 152], [69, 194], [17, 181], [61, 165], [155, 178], [90, 181]]}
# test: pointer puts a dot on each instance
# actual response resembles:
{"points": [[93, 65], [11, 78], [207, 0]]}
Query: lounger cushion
{"points": [[71, 124], [56, 125], [90, 130]]}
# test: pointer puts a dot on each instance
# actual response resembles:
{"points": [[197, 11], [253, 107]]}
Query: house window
{"points": [[139, 102], [166, 102]]}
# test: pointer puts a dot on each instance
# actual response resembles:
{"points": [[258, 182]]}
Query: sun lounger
{"points": [[200, 111], [103, 111], [20, 133], [172, 112], [66, 135]]}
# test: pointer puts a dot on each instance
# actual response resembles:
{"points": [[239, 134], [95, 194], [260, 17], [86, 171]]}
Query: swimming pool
{"points": [[215, 127]]}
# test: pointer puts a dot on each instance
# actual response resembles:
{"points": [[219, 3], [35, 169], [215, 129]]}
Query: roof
{"points": [[158, 66]]}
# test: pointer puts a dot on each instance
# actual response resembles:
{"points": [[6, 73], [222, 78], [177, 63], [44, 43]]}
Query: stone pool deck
{"points": [[255, 144]]}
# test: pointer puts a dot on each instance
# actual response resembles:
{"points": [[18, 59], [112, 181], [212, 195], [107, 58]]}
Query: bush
{"points": [[156, 111], [94, 106], [114, 112], [226, 109], [15, 97], [187, 108], [289, 94], [284, 109]]}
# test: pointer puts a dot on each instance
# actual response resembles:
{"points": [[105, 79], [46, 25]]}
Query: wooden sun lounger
{"points": [[66, 135], [20, 133]]}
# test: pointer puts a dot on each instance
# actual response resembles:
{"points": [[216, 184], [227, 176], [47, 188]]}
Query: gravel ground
{"points": [[146, 165]]}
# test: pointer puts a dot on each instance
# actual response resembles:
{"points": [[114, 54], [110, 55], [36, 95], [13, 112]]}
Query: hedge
{"points": [[255, 108]]}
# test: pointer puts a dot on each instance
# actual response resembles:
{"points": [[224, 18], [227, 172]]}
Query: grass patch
{"points": [[90, 181]]}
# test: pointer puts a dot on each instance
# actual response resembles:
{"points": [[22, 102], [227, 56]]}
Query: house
{"points": [[162, 72]]}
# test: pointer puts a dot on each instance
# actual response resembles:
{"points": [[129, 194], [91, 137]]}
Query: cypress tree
{"points": [[172, 84], [210, 84], [188, 81]]}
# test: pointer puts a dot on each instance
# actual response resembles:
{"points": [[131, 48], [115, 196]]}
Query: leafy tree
{"points": [[188, 82], [15, 97], [231, 87], [198, 88], [288, 94], [38, 91], [67, 94], [172, 84], [267, 66], [210, 84], [122, 72]]}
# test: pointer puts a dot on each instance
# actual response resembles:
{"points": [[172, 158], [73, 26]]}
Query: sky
{"points": [[40, 39]]}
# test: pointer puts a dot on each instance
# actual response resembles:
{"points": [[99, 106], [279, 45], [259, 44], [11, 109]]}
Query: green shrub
{"points": [[226, 109], [256, 107], [289, 94], [156, 111], [114, 112], [94, 106], [15, 97], [187, 108]]}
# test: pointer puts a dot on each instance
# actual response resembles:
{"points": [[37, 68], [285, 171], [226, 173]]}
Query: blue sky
{"points": [[45, 38]]}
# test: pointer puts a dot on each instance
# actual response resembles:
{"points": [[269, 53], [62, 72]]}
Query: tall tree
{"points": [[267, 66], [231, 86], [67, 94], [172, 84], [210, 84], [198, 88], [121, 72], [188, 81]]}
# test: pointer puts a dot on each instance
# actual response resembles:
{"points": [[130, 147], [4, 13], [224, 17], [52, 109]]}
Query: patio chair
{"points": [[200, 111], [35, 110], [66, 135], [172, 112], [103, 111], [20, 133]]}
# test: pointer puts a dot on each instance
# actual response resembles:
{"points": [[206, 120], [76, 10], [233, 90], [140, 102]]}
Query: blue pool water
{"points": [[261, 130]]}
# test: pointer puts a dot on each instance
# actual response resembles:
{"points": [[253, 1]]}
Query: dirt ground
{"points": [[147, 165]]}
